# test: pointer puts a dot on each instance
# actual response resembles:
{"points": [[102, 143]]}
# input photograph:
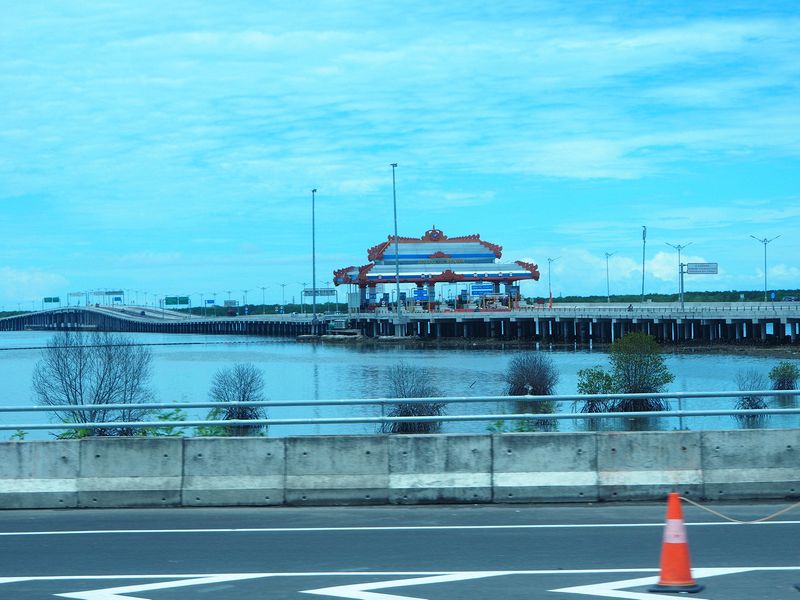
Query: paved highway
{"points": [[389, 553]]}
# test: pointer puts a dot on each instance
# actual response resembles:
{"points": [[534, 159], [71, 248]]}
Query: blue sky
{"points": [[170, 147]]}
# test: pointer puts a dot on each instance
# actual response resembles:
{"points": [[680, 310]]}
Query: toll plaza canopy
{"points": [[436, 258]]}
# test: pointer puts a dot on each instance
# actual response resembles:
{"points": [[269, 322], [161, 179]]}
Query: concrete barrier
{"points": [[649, 465], [39, 474], [440, 468], [130, 472], [233, 471], [337, 470], [753, 463], [380, 469], [544, 467]]}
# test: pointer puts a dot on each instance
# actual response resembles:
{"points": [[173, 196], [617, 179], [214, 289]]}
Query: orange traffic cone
{"points": [[676, 574]]}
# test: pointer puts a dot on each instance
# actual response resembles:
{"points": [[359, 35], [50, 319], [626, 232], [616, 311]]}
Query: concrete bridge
{"points": [[575, 323]]}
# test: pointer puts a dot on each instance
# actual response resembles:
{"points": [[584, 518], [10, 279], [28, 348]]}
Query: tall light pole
{"points": [[765, 241], [644, 243], [244, 299], [313, 258], [679, 247], [396, 246], [608, 284], [550, 261], [283, 294], [263, 300]]}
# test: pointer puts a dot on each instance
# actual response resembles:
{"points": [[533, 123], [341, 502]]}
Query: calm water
{"points": [[184, 365]]}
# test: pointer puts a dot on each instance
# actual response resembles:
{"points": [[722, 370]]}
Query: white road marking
{"points": [[611, 589], [369, 529], [359, 591], [114, 593]]}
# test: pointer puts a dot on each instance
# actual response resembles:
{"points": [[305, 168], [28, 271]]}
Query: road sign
{"points": [[51, 299], [702, 268], [481, 289], [211, 301], [320, 292], [420, 294], [231, 303], [171, 301]]}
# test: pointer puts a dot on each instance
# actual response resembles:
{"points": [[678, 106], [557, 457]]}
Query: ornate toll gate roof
{"points": [[436, 258]]}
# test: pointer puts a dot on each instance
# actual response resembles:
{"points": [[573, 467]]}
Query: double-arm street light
{"points": [[396, 248], [608, 285], [765, 241], [644, 244], [550, 261], [313, 258]]}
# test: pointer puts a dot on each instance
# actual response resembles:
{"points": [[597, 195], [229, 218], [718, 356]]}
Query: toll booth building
{"points": [[436, 258]]}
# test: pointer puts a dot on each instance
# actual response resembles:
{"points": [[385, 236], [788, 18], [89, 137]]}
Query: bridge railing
{"points": [[383, 403]]}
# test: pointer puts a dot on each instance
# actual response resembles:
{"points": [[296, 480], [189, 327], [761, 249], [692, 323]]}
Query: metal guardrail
{"points": [[383, 402]]}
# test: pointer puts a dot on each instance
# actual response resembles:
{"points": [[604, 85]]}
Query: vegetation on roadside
{"points": [[784, 376], [637, 367], [404, 381], [533, 374], [241, 383], [79, 370]]}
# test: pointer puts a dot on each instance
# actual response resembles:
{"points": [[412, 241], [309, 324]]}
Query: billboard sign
{"points": [[481, 289], [702, 268]]}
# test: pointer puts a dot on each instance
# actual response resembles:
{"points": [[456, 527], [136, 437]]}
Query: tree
{"points": [[404, 381], [533, 374], [595, 380], [749, 380], [636, 367], [784, 376], [102, 368], [243, 382]]}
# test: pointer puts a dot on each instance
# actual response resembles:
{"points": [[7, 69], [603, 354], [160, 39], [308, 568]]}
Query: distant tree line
{"points": [[719, 296]]}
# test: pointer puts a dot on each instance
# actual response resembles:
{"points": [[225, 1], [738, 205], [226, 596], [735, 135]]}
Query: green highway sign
{"points": [[176, 300], [51, 299]]}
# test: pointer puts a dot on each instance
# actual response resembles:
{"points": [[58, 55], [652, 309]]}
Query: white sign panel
{"points": [[701, 268]]}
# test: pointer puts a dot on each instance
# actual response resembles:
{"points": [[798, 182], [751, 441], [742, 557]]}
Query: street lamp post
{"points": [[608, 284], [283, 295], [313, 260], [644, 243], [550, 261], [263, 300], [396, 250], [765, 241], [679, 247]]}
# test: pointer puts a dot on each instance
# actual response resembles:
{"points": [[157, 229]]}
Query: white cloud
{"points": [[30, 285]]}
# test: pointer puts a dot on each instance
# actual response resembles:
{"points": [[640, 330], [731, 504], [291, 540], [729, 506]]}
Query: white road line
{"points": [[368, 529]]}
